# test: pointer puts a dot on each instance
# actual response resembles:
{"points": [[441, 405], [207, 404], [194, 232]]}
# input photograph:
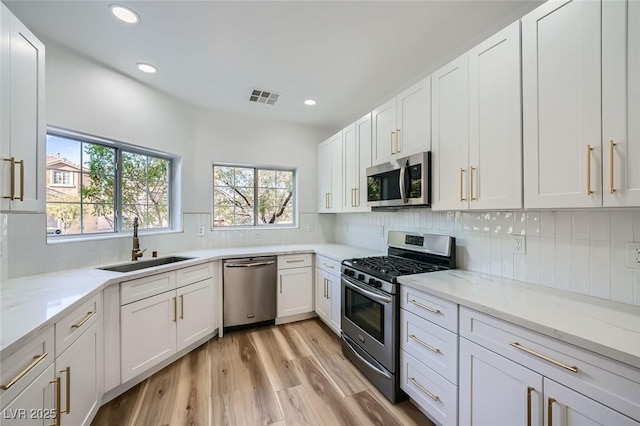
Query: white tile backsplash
{"points": [[582, 251]]}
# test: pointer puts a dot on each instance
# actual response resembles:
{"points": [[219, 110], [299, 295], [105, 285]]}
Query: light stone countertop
{"points": [[28, 305], [608, 328]]}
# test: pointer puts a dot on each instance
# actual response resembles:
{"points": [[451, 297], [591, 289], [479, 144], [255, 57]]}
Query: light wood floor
{"points": [[294, 374]]}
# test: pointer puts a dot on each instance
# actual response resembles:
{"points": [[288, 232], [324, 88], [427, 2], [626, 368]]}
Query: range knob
{"points": [[361, 277], [377, 284], [372, 282], [349, 272]]}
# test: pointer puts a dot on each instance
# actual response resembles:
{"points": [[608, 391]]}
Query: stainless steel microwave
{"points": [[400, 183]]}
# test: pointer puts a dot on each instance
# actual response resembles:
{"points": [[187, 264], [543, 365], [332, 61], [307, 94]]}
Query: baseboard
{"points": [[297, 317]]}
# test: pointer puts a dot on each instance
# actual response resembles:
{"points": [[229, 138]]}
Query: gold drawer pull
{"points": [[58, 390], [68, 373], [546, 358], [423, 389], [36, 361], [426, 345], [85, 319], [295, 261], [550, 411], [428, 308]]}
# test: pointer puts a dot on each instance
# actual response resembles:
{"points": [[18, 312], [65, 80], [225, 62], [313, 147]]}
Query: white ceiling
{"points": [[350, 56]]}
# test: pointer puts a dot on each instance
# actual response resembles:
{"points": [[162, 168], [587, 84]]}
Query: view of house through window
{"points": [[96, 188], [252, 196]]}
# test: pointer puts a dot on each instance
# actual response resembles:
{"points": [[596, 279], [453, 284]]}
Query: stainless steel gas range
{"points": [[370, 303]]}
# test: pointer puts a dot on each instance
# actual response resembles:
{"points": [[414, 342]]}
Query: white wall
{"points": [[85, 96], [580, 251]]}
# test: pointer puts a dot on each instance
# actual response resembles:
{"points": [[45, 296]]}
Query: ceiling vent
{"points": [[264, 97]]}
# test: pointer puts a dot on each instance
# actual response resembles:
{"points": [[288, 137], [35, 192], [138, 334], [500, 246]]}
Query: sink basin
{"points": [[144, 264]]}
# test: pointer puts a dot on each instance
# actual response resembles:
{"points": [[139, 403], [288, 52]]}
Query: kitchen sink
{"points": [[143, 264]]}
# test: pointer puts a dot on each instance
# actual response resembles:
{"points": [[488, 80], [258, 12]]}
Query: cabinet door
{"points": [[497, 391], [621, 102], [562, 105], [26, 118], [324, 176], [413, 119], [80, 371], [323, 307], [495, 123], [195, 312], [148, 333], [335, 197], [35, 406], [450, 139], [334, 300], [384, 132], [295, 291], [566, 407], [363, 141], [350, 167]]}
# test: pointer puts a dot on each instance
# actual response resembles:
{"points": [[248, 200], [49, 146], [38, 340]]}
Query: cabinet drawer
{"points": [[327, 264], [193, 274], [610, 382], [294, 261], [431, 392], [432, 308], [431, 344], [73, 325], [130, 291], [20, 368]]}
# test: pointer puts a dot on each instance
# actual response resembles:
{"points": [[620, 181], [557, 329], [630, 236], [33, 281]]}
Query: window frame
{"points": [[63, 173], [256, 225], [173, 207]]}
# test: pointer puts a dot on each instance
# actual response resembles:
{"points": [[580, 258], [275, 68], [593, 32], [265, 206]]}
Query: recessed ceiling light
{"points": [[124, 14], [150, 69], [310, 102]]}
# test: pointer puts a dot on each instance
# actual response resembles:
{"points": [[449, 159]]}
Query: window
{"points": [[61, 178], [253, 196], [99, 186]]}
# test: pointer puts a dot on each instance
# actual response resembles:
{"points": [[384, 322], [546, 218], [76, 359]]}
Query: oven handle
{"points": [[372, 295], [373, 367]]}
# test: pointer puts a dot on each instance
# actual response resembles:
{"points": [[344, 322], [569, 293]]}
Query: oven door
{"points": [[369, 318]]}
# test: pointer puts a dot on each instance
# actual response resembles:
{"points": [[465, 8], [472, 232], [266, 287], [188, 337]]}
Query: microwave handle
{"points": [[403, 168]]}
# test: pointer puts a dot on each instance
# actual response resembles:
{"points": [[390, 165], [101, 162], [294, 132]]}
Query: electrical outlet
{"points": [[519, 244], [200, 231], [257, 235], [381, 231], [633, 255]]}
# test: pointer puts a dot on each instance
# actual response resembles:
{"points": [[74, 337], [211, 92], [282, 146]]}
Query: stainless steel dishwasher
{"points": [[249, 290]]}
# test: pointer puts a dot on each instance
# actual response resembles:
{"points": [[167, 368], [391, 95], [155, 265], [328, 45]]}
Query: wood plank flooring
{"points": [[289, 375]]}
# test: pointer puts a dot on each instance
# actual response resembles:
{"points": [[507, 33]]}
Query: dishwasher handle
{"points": [[248, 265]]}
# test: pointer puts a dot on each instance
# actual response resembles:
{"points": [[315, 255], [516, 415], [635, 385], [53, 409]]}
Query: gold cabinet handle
{"points": [[550, 402], [295, 260], [529, 390], [182, 303], [517, 345], [175, 309], [462, 171], [428, 308], [471, 170], [392, 150], [280, 284], [36, 361], [425, 390], [12, 179], [357, 197], [68, 394], [425, 344], [611, 186], [57, 403], [589, 149], [84, 320], [326, 288], [398, 141], [21, 162]]}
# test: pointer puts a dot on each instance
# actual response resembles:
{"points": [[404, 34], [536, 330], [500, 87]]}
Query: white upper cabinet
{"points": [[450, 150], [561, 82], [357, 157], [495, 122], [621, 103], [402, 125], [330, 175], [22, 120]]}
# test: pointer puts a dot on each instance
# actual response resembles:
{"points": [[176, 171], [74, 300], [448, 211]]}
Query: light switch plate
{"points": [[519, 244], [633, 255], [200, 231]]}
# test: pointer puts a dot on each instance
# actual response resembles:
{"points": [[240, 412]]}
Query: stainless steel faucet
{"points": [[135, 252]]}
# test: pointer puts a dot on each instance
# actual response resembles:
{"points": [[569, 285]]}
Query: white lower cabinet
{"points": [[328, 297], [35, 405], [295, 285], [195, 320], [79, 370]]}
